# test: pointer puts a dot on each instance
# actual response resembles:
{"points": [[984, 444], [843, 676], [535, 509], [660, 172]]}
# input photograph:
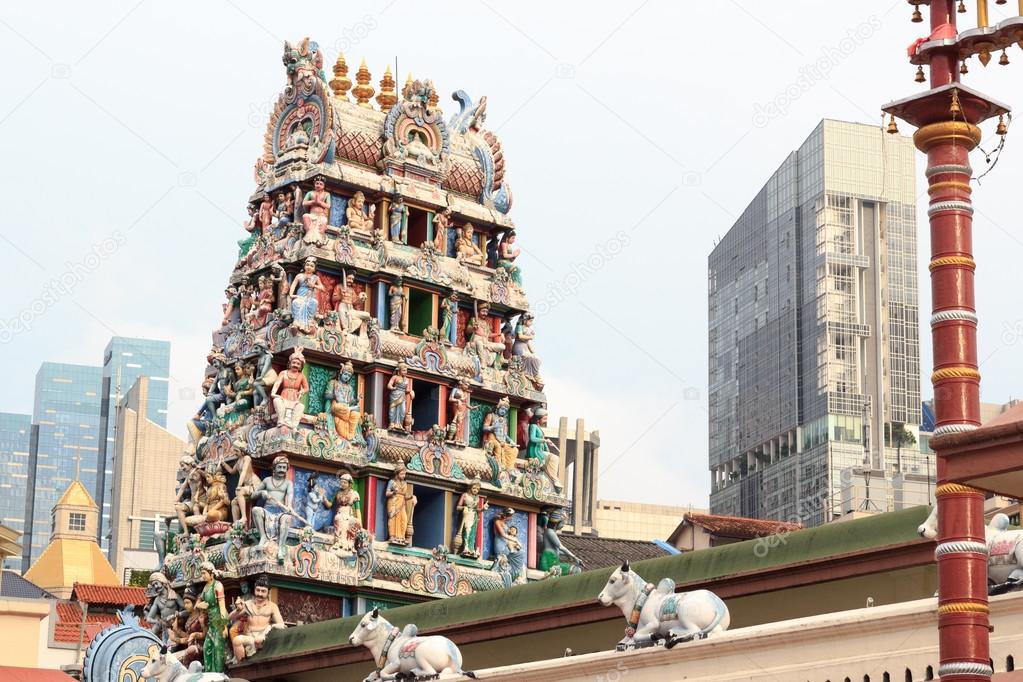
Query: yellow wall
{"points": [[22, 627]]}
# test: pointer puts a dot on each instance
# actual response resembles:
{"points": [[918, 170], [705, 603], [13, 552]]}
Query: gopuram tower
{"points": [[371, 428]]}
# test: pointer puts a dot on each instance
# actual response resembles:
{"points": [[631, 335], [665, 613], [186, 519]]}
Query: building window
{"points": [[76, 521], [146, 529]]}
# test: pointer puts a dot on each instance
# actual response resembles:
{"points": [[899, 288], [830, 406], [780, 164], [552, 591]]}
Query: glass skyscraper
{"points": [[124, 361], [813, 330], [66, 444], [15, 432]]}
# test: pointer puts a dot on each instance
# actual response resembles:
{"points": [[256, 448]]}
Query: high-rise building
{"points": [[813, 330], [15, 430], [63, 445], [145, 456], [124, 361]]}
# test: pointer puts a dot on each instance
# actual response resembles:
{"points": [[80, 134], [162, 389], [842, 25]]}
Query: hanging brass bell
{"points": [[1004, 59], [893, 129], [962, 7], [963, 68], [1001, 129], [917, 17], [920, 78]]}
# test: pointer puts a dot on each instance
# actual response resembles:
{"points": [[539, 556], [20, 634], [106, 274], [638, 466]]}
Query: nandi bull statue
{"points": [[1004, 547], [165, 667], [401, 655], [656, 613]]}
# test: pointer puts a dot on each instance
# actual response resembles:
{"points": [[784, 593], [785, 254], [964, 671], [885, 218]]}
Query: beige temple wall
{"points": [[23, 628], [146, 457], [892, 587]]}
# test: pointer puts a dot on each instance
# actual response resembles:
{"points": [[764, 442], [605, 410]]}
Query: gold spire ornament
{"points": [[984, 57], [363, 90], [920, 77], [341, 83], [387, 97], [434, 97], [406, 90]]}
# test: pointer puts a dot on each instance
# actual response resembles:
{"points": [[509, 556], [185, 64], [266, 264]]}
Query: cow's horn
{"points": [[625, 566], [376, 613]]}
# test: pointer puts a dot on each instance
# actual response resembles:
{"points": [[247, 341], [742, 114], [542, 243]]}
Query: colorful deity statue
{"points": [[357, 216], [191, 499], [263, 374], [539, 447], [284, 211], [251, 226], [470, 505], [507, 543], [441, 223], [489, 352], [397, 220], [315, 499], [248, 481], [458, 426], [218, 389], [507, 252], [266, 301], [218, 502], [400, 401], [396, 296], [304, 304], [350, 306], [289, 390], [317, 213], [401, 504], [496, 430], [232, 309], [260, 615], [164, 604], [523, 347], [448, 317], [189, 630], [342, 403], [347, 513], [240, 392], [214, 648], [466, 249], [274, 517]]}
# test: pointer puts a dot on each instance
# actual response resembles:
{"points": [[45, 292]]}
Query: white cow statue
{"points": [[1004, 546], [401, 655], [660, 613], [165, 667]]}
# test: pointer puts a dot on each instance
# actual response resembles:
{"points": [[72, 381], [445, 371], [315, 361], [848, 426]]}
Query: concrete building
{"points": [[636, 520], [580, 457], [15, 433], [146, 456], [63, 445], [813, 329], [124, 361]]}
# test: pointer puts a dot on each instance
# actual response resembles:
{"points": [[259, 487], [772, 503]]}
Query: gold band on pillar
{"points": [[963, 607], [954, 489], [957, 132], [949, 184], [961, 372], [965, 261]]}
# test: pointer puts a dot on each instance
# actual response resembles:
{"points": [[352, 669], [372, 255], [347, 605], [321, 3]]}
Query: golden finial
{"points": [[982, 14], [434, 97], [363, 90], [341, 83], [984, 57], [920, 77], [893, 129], [387, 99], [1004, 59], [406, 89], [1001, 129]]}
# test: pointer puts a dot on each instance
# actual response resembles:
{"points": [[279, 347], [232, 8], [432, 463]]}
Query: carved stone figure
{"points": [[342, 403], [441, 222], [289, 390], [458, 426], [317, 213], [661, 613], [539, 447], [266, 300], [356, 214], [218, 390], [240, 392], [274, 517], [401, 504], [315, 499], [470, 506], [396, 653], [448, 317], [523, 347], [497, 431], [164, 604], [248, 481], [302, 294], [466, 249], [396, 296], [218, 503], [214, 648], [347, 513], [397, 220], [251, 226], [400, 401], [350, 306], [191, 499], [507, 252], [490, 353], [508, 544], [264, 375], [261, 616], [232, 314]]}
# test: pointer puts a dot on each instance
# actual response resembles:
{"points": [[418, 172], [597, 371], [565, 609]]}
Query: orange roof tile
{"points": [[112, 595], [13, 674], [740, 526]]}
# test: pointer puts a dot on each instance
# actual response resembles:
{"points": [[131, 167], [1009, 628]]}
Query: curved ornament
{"points": [[120, 652]]}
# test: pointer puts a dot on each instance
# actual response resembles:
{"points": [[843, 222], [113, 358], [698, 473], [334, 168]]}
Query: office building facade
{"points": [[15, 434], [124, 361], [814, 330]]}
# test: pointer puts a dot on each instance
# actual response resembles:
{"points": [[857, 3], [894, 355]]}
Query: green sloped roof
{"points": [[718, 562]]}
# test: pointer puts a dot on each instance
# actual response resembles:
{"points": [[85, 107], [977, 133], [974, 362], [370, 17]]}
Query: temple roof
{"points": [[803, 546], [68, 561], [15, 674], [14, 585], [76, 495], [738, 527], [598, 552], [109, 595]]}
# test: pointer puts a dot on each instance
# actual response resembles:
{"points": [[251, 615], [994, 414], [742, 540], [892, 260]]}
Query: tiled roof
{"points": [[597, 552], [67, 561], [111, 595], [12, 674], [69, 623], [738, 526], [13, 585]]}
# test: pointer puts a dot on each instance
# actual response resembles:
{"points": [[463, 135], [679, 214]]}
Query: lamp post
{"points": [[947, 116]]}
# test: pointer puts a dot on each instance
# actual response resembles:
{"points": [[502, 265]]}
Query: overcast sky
{"points": [[634, 133]]}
